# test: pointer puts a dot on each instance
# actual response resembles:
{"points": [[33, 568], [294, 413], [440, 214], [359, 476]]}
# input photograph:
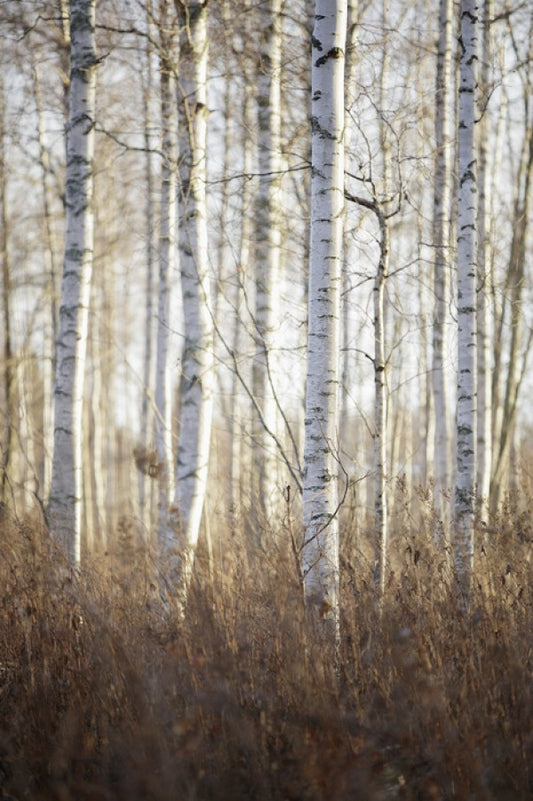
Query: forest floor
{"points": [[105, 695]]}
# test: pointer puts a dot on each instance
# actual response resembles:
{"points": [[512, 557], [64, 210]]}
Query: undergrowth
{"points": [[106, 695]]}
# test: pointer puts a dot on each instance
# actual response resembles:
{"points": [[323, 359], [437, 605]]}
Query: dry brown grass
{"points": [[104, 695]]}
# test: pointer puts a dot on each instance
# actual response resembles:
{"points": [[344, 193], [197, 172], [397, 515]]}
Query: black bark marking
{"points": [[335, 52]]}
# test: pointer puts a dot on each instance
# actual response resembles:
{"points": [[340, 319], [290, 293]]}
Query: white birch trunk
{"points": [[145, 493], [465, 490], [66, 487], [241, 458], [197, 368], [167, 267], [441, 242], [320, 554], [267, 256]]}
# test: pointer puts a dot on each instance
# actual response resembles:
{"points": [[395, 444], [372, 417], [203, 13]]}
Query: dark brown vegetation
{"points": [[105, 695]]}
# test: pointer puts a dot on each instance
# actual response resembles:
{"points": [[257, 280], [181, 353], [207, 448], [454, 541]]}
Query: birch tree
{"points": [[268, 247], [441, 242], [167, 266], [66, 487], [465, 490], [380, 433], [197, 368], [349, 249], [148, 360], [320, 555]]}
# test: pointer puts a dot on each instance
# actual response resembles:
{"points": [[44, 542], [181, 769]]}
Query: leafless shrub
{"points": [[102, 698]]}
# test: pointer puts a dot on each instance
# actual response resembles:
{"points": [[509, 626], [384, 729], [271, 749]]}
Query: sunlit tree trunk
{"points": [[320, 555], [241, 461], [167, 267], [441, 243], [66, 488], [197, 366], [145, 488], [465, 490], [267, 255]]}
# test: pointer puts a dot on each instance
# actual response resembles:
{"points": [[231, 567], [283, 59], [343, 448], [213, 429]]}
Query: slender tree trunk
{"points": [[66, 488], [197, 368], [320, 555], [90, 508], [506, 401], [23, 475], [241, 462], [380, 413], [465, 490], [498, 303], [514, 289], [349, 244], [267, 259], [441, 243], [100, 403], [148, 361], [167, 267], [380, 434]]}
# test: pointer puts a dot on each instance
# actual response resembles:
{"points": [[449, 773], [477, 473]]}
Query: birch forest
{"points": [[266, 462]]}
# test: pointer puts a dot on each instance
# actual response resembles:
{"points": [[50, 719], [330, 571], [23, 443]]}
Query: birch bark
{"points": [[268, 248], [197, 367], [66, 487], [145, 493], [241, 460], [320, 554], [167, 266], [465, 489], [441, 241]]}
